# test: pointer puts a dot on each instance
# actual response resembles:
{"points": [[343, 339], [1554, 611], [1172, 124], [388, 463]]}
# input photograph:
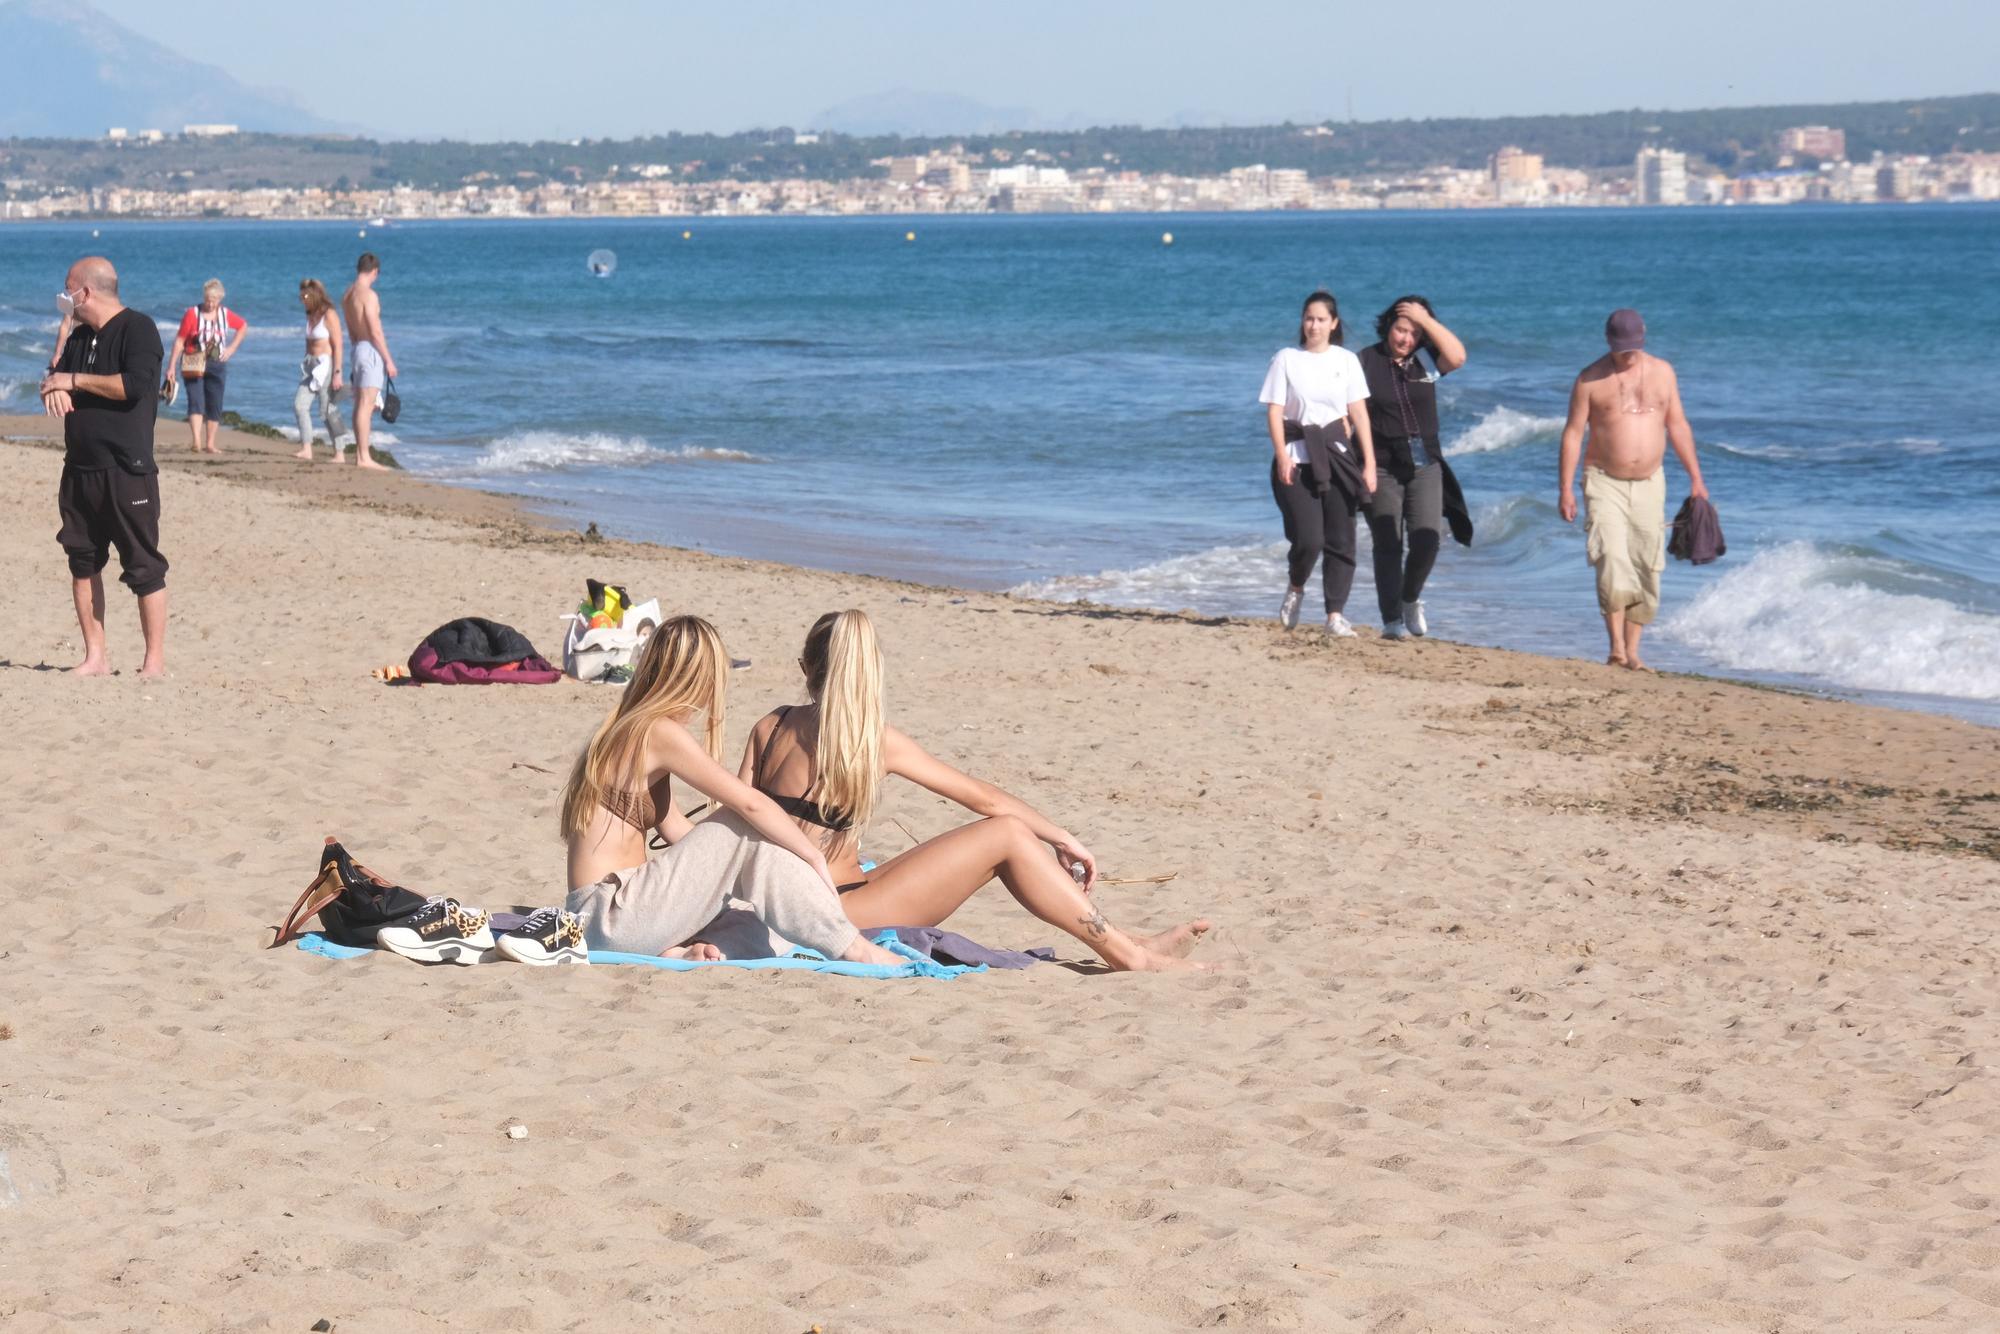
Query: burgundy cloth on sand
{"points": [[473, 651]]}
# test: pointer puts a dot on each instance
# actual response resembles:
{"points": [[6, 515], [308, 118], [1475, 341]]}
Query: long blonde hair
{"points": [[843, 666], [683, 670]]}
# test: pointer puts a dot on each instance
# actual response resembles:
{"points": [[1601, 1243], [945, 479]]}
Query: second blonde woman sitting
{"points": [[824, 761]]}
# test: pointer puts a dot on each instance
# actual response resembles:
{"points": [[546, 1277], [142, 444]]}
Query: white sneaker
{"points": [[442, 931], [1413, 613], [1288, 613], [1337, 626], [1395, 630]]}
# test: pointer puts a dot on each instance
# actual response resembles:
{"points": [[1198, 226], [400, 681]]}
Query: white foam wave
{"points": [[1237, 578], [1504, 428], [375, 437], [547, 451], [1800, 610], [12, 388]]}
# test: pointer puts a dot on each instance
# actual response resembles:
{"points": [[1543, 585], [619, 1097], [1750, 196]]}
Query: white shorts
{"points": [[369, 373]]}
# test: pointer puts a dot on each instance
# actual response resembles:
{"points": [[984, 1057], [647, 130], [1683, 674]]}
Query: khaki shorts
{"points": [[1625, 531]]}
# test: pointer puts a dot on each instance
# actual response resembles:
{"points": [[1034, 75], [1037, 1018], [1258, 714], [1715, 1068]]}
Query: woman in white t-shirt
{"points": [[1323, 457]]}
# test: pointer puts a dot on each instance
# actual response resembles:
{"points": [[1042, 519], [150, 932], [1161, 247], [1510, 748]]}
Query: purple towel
{"points": [[950, 947]]}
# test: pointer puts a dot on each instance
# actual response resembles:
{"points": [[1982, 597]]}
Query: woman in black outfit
{"points": [[1411, 482]]}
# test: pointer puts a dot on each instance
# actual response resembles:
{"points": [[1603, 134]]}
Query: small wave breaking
{"points": [[1805, 611], [552, 451], [1234, 577], [1504, 428]]}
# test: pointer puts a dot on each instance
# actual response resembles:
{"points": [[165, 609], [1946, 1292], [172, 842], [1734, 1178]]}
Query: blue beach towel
{"points": [[800, 960]]}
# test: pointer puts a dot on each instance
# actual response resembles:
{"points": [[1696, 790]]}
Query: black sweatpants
{"points": [[102, 508], [1315, 525], [1406, 501]]}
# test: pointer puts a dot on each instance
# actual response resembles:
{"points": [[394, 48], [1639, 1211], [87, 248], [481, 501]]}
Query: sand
{"points": [[1551, 998]]}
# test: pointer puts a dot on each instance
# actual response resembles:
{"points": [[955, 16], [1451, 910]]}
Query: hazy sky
{"points": [[490, 69]]}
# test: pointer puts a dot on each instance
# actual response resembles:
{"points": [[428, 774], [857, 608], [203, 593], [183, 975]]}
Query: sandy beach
{"points": [[1548, 998]]}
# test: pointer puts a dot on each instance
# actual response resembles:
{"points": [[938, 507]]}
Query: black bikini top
{"points": [[799, 808]]}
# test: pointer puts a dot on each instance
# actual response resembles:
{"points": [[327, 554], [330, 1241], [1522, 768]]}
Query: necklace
{"points": [[1637, 403]]}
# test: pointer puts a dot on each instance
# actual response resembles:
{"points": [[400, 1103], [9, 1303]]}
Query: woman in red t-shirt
{"points": [[209, 335]]}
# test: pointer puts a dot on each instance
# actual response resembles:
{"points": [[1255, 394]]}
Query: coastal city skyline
{"points": [[1810, 164]]}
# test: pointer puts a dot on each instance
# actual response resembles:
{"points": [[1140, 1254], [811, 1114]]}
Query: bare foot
{"points": [[213, 449], [1179, 942], [864, 950], [370, 463], [1634, 665], [699, 952], [92, 667], [1615, 660], [306, 453], [153, 669]]}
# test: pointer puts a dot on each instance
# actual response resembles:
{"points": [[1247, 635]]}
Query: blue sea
{"points": [[1067, 407]]}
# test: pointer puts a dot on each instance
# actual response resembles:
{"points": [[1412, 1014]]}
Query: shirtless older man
{"points": [[1631, 402], [371, 361]]}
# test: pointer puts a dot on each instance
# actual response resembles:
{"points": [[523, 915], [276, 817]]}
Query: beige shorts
{"points": [[678, 896], [1625, 532]]}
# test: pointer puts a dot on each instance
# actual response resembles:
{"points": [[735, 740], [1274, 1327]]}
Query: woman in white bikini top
{"points": [[319, 373]]}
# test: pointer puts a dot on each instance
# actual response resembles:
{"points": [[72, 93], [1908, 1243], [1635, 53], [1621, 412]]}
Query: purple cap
{"points": [[1625, 330]]}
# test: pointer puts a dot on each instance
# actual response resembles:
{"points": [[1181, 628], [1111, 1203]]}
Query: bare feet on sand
{"points": [[699, 952], [92, 667], [1179, 942], [305, 452], [153, 670], [371, 463], [1615, 660]]}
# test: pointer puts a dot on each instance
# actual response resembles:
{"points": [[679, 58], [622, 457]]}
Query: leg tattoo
{"points": [[1094, 925]]}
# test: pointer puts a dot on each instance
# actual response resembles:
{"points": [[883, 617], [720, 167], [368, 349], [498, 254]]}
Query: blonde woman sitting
{"points": [[823, 762]]}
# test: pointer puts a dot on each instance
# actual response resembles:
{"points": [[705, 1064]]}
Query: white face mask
{"points": [[67, 304]]}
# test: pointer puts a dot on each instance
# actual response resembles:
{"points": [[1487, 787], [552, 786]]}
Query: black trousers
{"points": [[1316, 525], [102, 508], [1407, 501]]}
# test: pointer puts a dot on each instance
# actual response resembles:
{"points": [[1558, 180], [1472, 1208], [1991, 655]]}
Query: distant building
{"points": [[116, 132], [1893, 179], [805, 138], [1659, 176], [1513, 166], [907, 170], [1516, 175], [208, 131], [1820, 141]]}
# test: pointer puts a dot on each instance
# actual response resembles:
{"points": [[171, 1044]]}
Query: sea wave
{"points": [[1504, 428], [378, 436], [550, 451], [1846, 619], [11, 389], [1833, 451], [1239, 577]]}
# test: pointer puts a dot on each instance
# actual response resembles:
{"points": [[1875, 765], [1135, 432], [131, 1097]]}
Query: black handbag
{"points": [[392, 402], [353, 903]]}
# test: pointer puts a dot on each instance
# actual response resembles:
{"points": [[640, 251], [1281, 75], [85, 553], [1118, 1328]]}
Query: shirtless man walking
{"points": [[373, 366], [1631, 402]]}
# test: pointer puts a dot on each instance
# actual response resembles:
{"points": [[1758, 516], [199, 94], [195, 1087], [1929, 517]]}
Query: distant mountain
{"points": [[72, 72], [909, 113]]}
